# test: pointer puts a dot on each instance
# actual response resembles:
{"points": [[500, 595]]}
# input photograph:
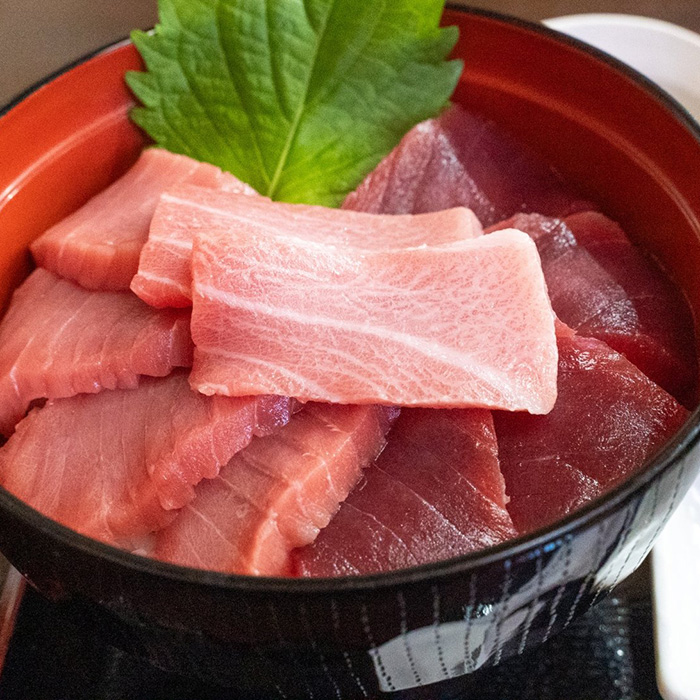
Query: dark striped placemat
{"points": [[606, 655]]}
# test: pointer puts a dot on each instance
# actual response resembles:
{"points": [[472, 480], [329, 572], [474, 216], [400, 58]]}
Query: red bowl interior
{"points": [[60, 146]]}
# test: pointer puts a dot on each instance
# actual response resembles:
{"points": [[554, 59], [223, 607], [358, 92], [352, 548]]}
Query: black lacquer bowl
{"points": [[616, 138]]}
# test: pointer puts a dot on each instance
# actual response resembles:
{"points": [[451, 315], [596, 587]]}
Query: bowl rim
{"points": [[555, 534]]}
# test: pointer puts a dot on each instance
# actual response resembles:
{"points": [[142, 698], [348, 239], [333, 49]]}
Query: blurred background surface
{"points": [[38, 37]]}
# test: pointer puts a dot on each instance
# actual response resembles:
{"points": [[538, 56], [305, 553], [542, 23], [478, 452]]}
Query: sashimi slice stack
{"points": [[164, 276], [99, 245], [58, 340], [278, 493], [604, 287], [310, 330], [116, 465], [435, 492], [662, 344]]}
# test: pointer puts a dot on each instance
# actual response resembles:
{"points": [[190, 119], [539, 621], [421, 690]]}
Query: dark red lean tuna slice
{"points": [[98, 246], [58, 339], [462, 159], [608, 419], [663, 346], [604, 287], [435, 492], [277, 493], [115, 465]]}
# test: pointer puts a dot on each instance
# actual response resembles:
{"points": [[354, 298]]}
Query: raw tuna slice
{"points": [[165, 279], [114, 465], [277, 493], [278, 315], [608, 420], [58, 339], [435, 492], [462, 159], [98, 246], [662, 344], [604, 287]]}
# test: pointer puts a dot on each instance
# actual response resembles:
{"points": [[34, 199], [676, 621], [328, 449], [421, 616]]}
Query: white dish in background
{"points": [[676, 567], [664, 52], [670, 56]]}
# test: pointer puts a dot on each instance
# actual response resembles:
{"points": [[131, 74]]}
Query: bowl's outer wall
{"points": [[622, 147]]}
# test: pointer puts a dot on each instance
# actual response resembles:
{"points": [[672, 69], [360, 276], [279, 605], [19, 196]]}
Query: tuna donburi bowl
{"points": [[616, 141]]}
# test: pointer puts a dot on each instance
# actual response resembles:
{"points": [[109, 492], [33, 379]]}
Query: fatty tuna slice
{"points": [[435, 492], [277, 493], [115, 465], [403, 327], [604, 287], [165, 278], [608, 420], [463, 159], [58, 339], [98, 246]]}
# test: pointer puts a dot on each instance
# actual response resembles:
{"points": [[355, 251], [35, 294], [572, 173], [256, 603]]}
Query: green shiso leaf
{"points": [[298, 98]]}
